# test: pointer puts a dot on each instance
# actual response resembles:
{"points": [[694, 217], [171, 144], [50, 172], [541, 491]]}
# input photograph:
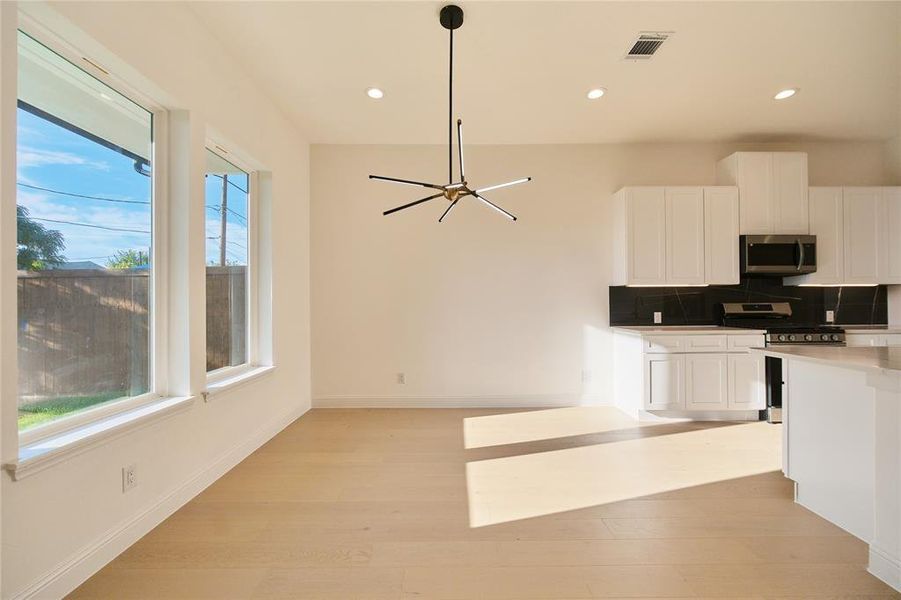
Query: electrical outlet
{"points": [[830, 316], [401, 379], [658, 317], [129, 478], [586, 375]]}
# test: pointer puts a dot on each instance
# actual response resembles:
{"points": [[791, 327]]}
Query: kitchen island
{"points": [[842, 442]]}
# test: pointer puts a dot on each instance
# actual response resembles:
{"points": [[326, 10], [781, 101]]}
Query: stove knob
{"points": [[781, 338], [824, 337], [835, 337], [808, 337], [791, 337]]}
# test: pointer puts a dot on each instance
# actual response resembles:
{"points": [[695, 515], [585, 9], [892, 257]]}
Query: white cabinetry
{"points": [[706, 381], [747, 389], [873, 339], [676, 236], [699, 372], [863, 228], [772, 190], [664, 382], [684, 236], [721, 260], [858, 233]]}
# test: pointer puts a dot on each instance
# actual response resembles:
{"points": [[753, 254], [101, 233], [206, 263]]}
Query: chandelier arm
{"points": [[460, 148], [494, 206], [503, 185], [408, 182], [394, 210], [447, 212]]}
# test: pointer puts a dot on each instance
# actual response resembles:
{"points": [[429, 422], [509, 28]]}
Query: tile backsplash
{"points": [[699, 305]]}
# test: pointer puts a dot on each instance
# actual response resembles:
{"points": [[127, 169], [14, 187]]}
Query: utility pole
{"points": [[223, 213]]}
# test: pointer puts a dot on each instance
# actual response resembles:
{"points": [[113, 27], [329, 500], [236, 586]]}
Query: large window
{"points": [[227, 289], [84, 218]]}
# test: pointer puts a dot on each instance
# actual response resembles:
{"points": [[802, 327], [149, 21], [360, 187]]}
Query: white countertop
{"points": [[685, 330], [865, 358]]}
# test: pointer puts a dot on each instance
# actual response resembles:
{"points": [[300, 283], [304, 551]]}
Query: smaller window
{"points": [[227, 289]]}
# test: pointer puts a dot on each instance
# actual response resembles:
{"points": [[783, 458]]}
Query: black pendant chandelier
{"points": [[452, 18]]}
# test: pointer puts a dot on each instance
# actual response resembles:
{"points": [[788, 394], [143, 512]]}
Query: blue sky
{"points": [[54, 158]]}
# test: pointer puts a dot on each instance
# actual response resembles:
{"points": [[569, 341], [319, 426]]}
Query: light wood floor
{"points": [[453, 504]]}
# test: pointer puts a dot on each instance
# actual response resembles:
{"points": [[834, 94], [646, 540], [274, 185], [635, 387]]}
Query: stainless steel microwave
{"points": [[778, 254]]}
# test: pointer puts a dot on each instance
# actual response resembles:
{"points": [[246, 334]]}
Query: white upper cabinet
{"points": [[684, 236], [721, 260], [675, 235], [863, 228], [891, 266], [790, 197], [640, 236], [858, 233], [772, 190], [827, 223]]}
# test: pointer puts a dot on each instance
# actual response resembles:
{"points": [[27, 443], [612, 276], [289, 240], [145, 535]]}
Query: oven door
{"points": [[778, 254], [775, 386]]}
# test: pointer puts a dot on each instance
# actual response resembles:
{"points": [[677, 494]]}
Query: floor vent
{"points": [[647, 44]]}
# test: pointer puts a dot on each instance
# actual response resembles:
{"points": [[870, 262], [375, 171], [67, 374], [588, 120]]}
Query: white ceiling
{"points": [[523, 69]]}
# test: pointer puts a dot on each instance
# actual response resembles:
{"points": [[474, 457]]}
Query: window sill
{"points": [[229, 383], [41, 454]]}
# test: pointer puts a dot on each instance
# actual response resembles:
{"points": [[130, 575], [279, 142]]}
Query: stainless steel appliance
{"points": [[778, 255], [773, 317]]}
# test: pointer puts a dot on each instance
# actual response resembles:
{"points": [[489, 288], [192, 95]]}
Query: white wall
{"points": [[479, 307], [76, 510]]}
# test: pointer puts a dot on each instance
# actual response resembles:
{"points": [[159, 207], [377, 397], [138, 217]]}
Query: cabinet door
{"points": [[747, 388], [706, 379], [664, 384], [891, 198], [755, 187], [827, 223], [863, 234], [646, 220], [721, 235], [684, 235], [790, 192]]}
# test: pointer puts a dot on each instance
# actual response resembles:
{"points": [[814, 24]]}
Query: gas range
{"points": [[772, 317], [822, 336]]}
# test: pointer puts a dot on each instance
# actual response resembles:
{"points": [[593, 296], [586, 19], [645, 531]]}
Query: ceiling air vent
{"points": [[647, 44]]}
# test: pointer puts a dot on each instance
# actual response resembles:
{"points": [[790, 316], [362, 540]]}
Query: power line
{"points": [[43, 189], [217, 209], [90, 225], [231, 183]]}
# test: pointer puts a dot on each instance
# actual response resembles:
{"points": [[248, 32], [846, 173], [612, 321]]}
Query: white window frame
{"points": [[158, 287], [251, 319]]}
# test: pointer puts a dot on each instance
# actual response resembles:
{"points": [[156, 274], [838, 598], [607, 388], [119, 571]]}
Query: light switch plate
{"points": [[830, 316], [658, 318]]}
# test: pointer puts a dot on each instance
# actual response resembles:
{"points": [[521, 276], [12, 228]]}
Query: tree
{"points": [[38, 247], [128, 259]]}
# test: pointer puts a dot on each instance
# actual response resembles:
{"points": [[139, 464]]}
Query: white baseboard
{"points": [[521, 401], [885, 567], [71, 573]]}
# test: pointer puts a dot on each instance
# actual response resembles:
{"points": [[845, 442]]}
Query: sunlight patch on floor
{"points": [[544, 483], [531, 426]]}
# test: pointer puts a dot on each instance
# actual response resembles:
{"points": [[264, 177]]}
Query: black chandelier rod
{"points": [[450, 113]]}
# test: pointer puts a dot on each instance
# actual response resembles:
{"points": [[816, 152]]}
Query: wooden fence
{"points": [[85, 332]]}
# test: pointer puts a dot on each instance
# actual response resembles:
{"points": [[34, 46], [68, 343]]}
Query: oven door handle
{"points": [[800, 254]]}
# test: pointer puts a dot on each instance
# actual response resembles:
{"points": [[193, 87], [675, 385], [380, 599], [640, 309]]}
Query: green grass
{"points": [[48, 410]]}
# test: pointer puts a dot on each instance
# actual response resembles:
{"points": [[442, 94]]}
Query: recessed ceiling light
{"points": [[596, 93], [785, 94], [374, 93]]}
